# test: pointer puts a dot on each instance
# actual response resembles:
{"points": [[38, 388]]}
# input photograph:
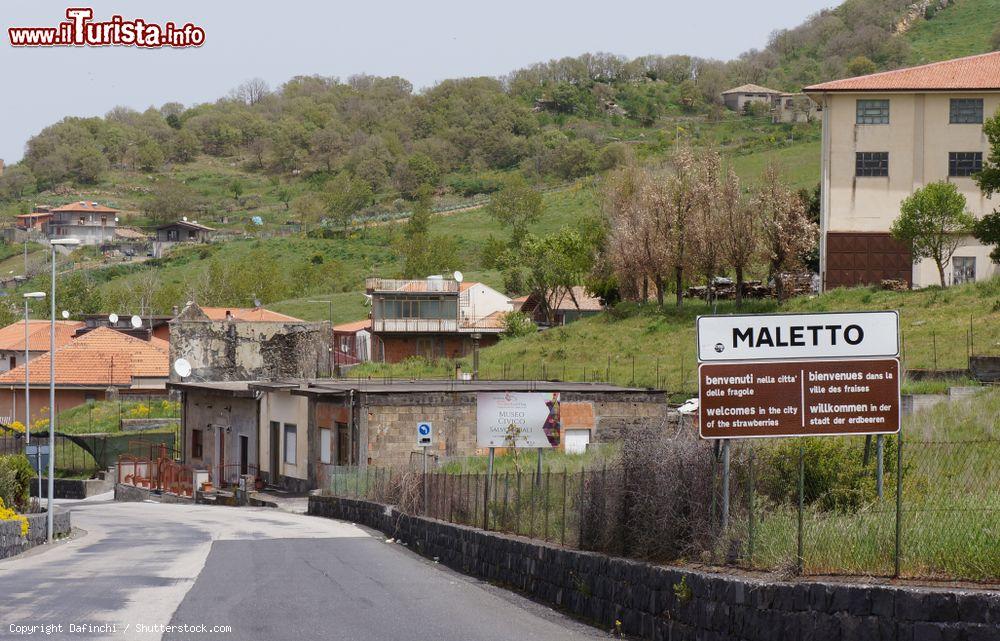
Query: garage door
{"points": [[576, 441], [854, 259]]}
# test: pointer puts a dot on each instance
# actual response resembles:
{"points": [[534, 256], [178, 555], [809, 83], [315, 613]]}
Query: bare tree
{"points": [[786, 230], [252, 91], [704, 247], [738, 233]]}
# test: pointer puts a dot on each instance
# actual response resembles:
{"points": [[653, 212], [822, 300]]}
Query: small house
{"points": [[740, 98]]}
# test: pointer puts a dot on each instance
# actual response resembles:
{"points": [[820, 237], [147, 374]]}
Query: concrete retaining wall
{"points": [[73, 488], [11, 541], [661, 603]]}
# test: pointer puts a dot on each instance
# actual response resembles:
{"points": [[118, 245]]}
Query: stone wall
{"points": [[247, 351], [388, 422], [657, 602], [11, 541]]}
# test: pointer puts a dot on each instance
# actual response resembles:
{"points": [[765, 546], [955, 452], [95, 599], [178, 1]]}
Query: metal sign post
{"points": [[486, 492], [425, 431], [780, 375]]}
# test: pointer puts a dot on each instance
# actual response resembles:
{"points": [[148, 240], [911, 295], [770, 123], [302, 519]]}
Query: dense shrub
{"points": [[835, 477], [15, 479]]}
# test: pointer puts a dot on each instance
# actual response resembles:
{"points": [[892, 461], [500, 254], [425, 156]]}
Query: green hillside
{"points": [[962, 29]]}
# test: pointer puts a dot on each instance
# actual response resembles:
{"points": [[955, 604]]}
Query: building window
{"points": [[871, 163], [963, 269], [196, 444], [325, 445], [873, 112], [966, 111], [290, 443], [965, 163]]}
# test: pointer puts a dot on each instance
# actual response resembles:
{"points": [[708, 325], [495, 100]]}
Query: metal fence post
{"points": [[725, 485], [899, 499], [562, 529], [579, 508], [879, 465], [799, 559]]}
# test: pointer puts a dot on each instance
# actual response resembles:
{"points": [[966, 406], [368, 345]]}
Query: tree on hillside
{"points": [[421, 252], [987, 229], [516, 205], [252, 91], [686, 188], [236, 188], [346, 196], [738, 231], [705, 249], [787, 235], [860, 66], [15, 182], [932, 221], [309, 209], [552, 265], [168, 201]]}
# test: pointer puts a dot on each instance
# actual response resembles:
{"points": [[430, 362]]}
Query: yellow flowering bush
{"points": [[139, 411], [17, 426], [7, 514]]}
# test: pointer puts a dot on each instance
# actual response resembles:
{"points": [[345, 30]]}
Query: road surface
{"points": [[144, 571]]}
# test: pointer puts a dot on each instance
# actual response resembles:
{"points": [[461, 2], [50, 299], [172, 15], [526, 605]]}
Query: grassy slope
{"points": [[960, 30], [662, 341]]}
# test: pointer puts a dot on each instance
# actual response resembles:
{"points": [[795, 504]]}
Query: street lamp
{"points": [[53, 243], [27, 392]]}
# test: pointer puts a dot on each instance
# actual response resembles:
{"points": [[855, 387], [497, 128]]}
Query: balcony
{"points": [[412, 286], [414, 325]]}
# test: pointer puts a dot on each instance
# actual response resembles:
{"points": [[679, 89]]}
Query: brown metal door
{"points": [[854, 259]]}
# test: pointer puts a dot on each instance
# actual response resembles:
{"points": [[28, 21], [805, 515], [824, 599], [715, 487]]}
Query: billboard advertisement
{"points": [[517, 419]]}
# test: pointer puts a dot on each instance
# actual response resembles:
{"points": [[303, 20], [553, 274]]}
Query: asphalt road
{"points": [[146, 571]]}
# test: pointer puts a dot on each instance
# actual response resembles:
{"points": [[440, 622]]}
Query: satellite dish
{"points": [[136, 322], [459, 277], [113, 319], [256, 302], [182, 367], [65, 314], [184, 218]]}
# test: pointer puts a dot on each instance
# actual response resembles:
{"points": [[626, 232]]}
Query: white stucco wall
{"points": [[284, 408]]}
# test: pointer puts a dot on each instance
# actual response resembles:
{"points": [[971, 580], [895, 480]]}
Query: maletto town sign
{"points": [[810, 375]]}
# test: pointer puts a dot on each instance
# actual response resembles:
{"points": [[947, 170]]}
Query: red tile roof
{"points": [[86, 206], [972, 73], [252, 314], [493, 321], [100, 357], [12, 336]]}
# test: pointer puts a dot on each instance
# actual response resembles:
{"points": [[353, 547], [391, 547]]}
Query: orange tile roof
{"points": [[981, 72], [101, 357], [12, 336], [86, 206], [355, 326], [249, 314]]}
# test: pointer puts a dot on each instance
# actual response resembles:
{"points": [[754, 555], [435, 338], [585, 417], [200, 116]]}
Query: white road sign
{"points": [[424, 431], [765, 337]]}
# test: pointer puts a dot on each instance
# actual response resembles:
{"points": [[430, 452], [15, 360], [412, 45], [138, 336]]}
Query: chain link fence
{"points": [[819, 506]]}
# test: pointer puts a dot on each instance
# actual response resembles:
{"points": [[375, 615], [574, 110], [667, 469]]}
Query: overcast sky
{"points": [[422, 40]]}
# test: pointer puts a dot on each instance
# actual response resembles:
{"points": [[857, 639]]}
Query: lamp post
{"points": [[53, 243], [27, 392]]}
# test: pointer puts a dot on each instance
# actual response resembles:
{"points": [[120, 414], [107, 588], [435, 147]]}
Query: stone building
{"points": [[242, 348], [307, 429]]}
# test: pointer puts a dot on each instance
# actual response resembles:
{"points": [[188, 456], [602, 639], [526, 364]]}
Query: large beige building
{"points": [[884, 136]]}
